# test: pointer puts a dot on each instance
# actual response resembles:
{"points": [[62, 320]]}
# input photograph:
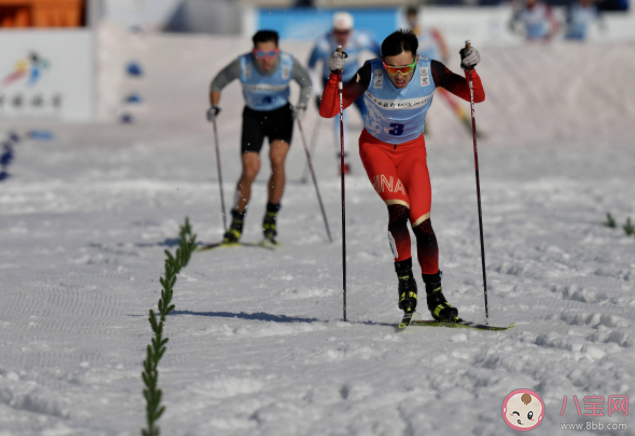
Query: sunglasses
{"points": [[404, 69], [264, 54], [341, 32]]}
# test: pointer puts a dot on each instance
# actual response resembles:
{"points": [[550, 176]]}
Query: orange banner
{"points": [[41, 13]]}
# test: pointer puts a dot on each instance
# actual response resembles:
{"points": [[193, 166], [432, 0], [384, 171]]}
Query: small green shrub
{"points": [[628, 227], [156, 349]]}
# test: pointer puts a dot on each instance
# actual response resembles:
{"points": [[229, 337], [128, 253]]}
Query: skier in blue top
{"points": [[580, 15], [537, 19], [264, 74], [398, 89], [353, 43]]}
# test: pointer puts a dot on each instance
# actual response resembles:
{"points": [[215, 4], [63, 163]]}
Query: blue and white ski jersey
{"points": [[265, 93], [429, 46], [579, 20], [536, 21], [394, 115], [356, 44]]}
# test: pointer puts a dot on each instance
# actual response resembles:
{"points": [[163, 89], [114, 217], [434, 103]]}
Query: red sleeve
{"points": [[456, 84], [330, 105]]}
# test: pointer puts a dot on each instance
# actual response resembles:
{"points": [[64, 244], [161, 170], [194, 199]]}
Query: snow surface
{"points": [[257, 342]]}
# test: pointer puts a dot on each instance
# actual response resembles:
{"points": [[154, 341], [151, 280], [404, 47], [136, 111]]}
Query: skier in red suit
{"points": [[398, 90]]}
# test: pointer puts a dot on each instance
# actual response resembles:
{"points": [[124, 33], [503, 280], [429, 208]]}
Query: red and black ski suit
{"points": [[410, 198]]}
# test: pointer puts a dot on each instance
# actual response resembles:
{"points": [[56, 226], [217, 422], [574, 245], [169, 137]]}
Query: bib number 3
{"points": [[397, 129]]}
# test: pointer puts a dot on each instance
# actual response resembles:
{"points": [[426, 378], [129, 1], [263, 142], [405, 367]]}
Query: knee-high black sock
{"points": [[427, 248], [398, 232]]}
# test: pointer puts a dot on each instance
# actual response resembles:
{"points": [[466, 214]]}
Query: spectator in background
{"points": [[537, 19], [432, 46], [580, 15], [353, 43], [431, 42]]}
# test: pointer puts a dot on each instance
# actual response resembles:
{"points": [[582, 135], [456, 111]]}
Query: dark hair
{"points": [[265, 36], [401, 40], [412, 10]]}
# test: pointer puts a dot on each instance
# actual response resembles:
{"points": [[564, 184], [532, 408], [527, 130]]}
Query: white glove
{"points": [[212, 113], [469, 58], [297, 112], [337, 61]]}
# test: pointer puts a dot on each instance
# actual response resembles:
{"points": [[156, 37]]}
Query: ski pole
{"points": [[317, 191], [314, 135], [341, 87], [220, 175], [468, 45]]}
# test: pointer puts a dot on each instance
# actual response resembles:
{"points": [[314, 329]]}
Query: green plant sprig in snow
{"points": [[156, 350]]}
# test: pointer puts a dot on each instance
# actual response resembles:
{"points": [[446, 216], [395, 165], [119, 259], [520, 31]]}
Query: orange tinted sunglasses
{"points": [[404, 69], [266, 54]]}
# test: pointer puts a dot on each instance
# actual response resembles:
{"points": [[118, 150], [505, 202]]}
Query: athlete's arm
{"points": [[553, 21], [302, 78], [443, 47], [317, 55], [314, 57], [375, 48], [222, 79], [330, 105], [456, 84]]}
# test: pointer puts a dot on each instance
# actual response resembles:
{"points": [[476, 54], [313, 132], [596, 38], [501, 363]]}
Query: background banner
{"points": [[47, 75], [302, 24]]}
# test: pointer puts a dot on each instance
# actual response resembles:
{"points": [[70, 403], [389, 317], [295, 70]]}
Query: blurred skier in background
{"points": [[581, 14], [353, 43], [398, 90], [432, 46], [536, 19], [264, 74]]}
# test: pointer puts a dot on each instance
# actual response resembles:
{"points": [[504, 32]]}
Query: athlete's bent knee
{"points": [[250, 172], [424, 229], [398, 215]]}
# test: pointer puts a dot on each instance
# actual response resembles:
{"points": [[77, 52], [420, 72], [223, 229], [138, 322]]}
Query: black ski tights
{"points": [[427, 248], [398, 234]]}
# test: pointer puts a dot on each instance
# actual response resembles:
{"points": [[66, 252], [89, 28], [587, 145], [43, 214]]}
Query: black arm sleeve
{"points": [[440, 74], [456, 84], [362, 77]]}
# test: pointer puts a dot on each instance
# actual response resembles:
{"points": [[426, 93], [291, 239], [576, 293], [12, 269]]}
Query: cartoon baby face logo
{"points": [[523, 410]]}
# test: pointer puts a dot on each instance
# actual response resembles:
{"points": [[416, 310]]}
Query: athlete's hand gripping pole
{"points": [[220, 175], [341, 87], [468, 46], [317, 191]]}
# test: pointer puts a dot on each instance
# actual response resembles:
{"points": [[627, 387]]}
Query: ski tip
{"points": [[407, 320], [208, 247], [265, 243]]}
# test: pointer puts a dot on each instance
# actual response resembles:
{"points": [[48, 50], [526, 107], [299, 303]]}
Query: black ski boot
{"points": [[438, 306], [407, 286], [235, 231], [269, 230]]}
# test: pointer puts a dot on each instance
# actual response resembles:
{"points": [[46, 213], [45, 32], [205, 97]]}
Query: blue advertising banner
{"points": [[302, 24]]}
